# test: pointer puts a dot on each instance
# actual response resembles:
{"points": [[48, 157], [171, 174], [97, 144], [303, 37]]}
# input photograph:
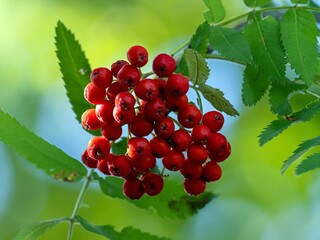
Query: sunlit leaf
{"points": [[256, 3], [300, 1], [39, 152], [299, 37], [310, 163], [216, 11]]}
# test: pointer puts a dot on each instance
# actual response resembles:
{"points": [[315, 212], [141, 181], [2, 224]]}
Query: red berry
{"points": [[191, 169], [124, 100], [129, 75], [163, 65], [101, 77], [133, 188], [197, 153], [88, 161], [176, 103], [104, 111], [111, 131], [221, 157], [140, 126], [93, 94], [200, 134], [194, 186], [164, 127], [159, 147], [161, 87], [189, 116], [152, 184], [98, 148], [173, 161], [114, 89], [155, 110], [123, 116], [146, 89], [180, 140], [103, 165], [211, 172], [214, 120], [177, 85], [217, 144], [138, 147], [144, 164], [116, 66], [137, 56], [90, 121], [120, 166]]}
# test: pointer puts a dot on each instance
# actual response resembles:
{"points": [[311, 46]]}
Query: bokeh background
{"points": [[255, 202]]}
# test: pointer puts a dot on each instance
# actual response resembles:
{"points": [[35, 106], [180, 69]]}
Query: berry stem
{"points": [[78, 203]]}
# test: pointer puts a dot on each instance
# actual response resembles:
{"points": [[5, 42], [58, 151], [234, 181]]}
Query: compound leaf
{"points": [[263, 36], [172, 202], [217, 99], [302, 149], [310, 163], [299, 38], [230, 43], [36, 230], [36, 150], [215, 12], [197, 66], [255, 84], [74, 67], [256, 3]]}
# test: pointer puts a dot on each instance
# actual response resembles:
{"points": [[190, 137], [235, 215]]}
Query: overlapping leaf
{"points": [[197, 67], [310, 163], [216, 11], [256, 3], [39, 152]]}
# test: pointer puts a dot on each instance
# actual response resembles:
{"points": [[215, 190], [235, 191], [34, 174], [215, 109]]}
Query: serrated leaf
{"points": [[172, 202], [36, 230], [120, 147], [255, 84], [263, 36], [39, 152], [216, 11], [74, 67], [300, 1], [197, 66], [279, 96], [230, 43], [310, 163], [302, 149], [299, 38], [217, 99], [112, 234], [256, 3], [278, 126]]}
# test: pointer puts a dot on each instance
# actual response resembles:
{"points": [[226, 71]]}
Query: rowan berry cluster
{"points": [[162, 124]]}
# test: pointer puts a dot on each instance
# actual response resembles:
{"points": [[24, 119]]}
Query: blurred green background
{"points": [[255, 202]]}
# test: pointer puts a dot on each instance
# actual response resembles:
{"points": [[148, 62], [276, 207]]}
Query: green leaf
{"points": [[278, 126], [310, 163], [216, 11], [255, 84], [256, 3], [230, 43], [36, 230], [74, 67], [279, 96], [264, 40], [217, 99], [302, 149], [197, 66], [120, 147], [300, 1], [112, 234], [36, 150], [172, 202], [299, 38]]}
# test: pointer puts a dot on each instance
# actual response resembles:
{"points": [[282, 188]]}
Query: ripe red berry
{"points": [[176, 103], [123, 116], [98, 148], [155, 110], [217, 144], [116, 66], [213, 120], [140, 127], [90, 121], [164, 127], [129, 75], [200, 134], [177, 85], [138, 147], [137, 56], [101, 77], [133, 188], [194, 186], [163, 65], [88, 161], [161, 87], [191, 169], [111, 130], [144, 164], [180, 140], [93, 94], [197, 153], [120, 166], [189, 116], [104, 111], [103, 165], [152, 184], [211, 172], [114, 89], [173, 161], [222, 156], [124, 100], [159, 147], [146, 89]]}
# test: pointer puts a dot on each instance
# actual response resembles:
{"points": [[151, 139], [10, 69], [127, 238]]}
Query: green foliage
{"points": [[171, 203], [263, 36], [74, 67], [216, 11], [254, 86], [230, 43], [217, 99], [36, 150], [302, 149], [300, 1], [197, 67], [109, 232], [256, 3], [299, 38], [37, 230], [120, 147], [310, 163]]}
